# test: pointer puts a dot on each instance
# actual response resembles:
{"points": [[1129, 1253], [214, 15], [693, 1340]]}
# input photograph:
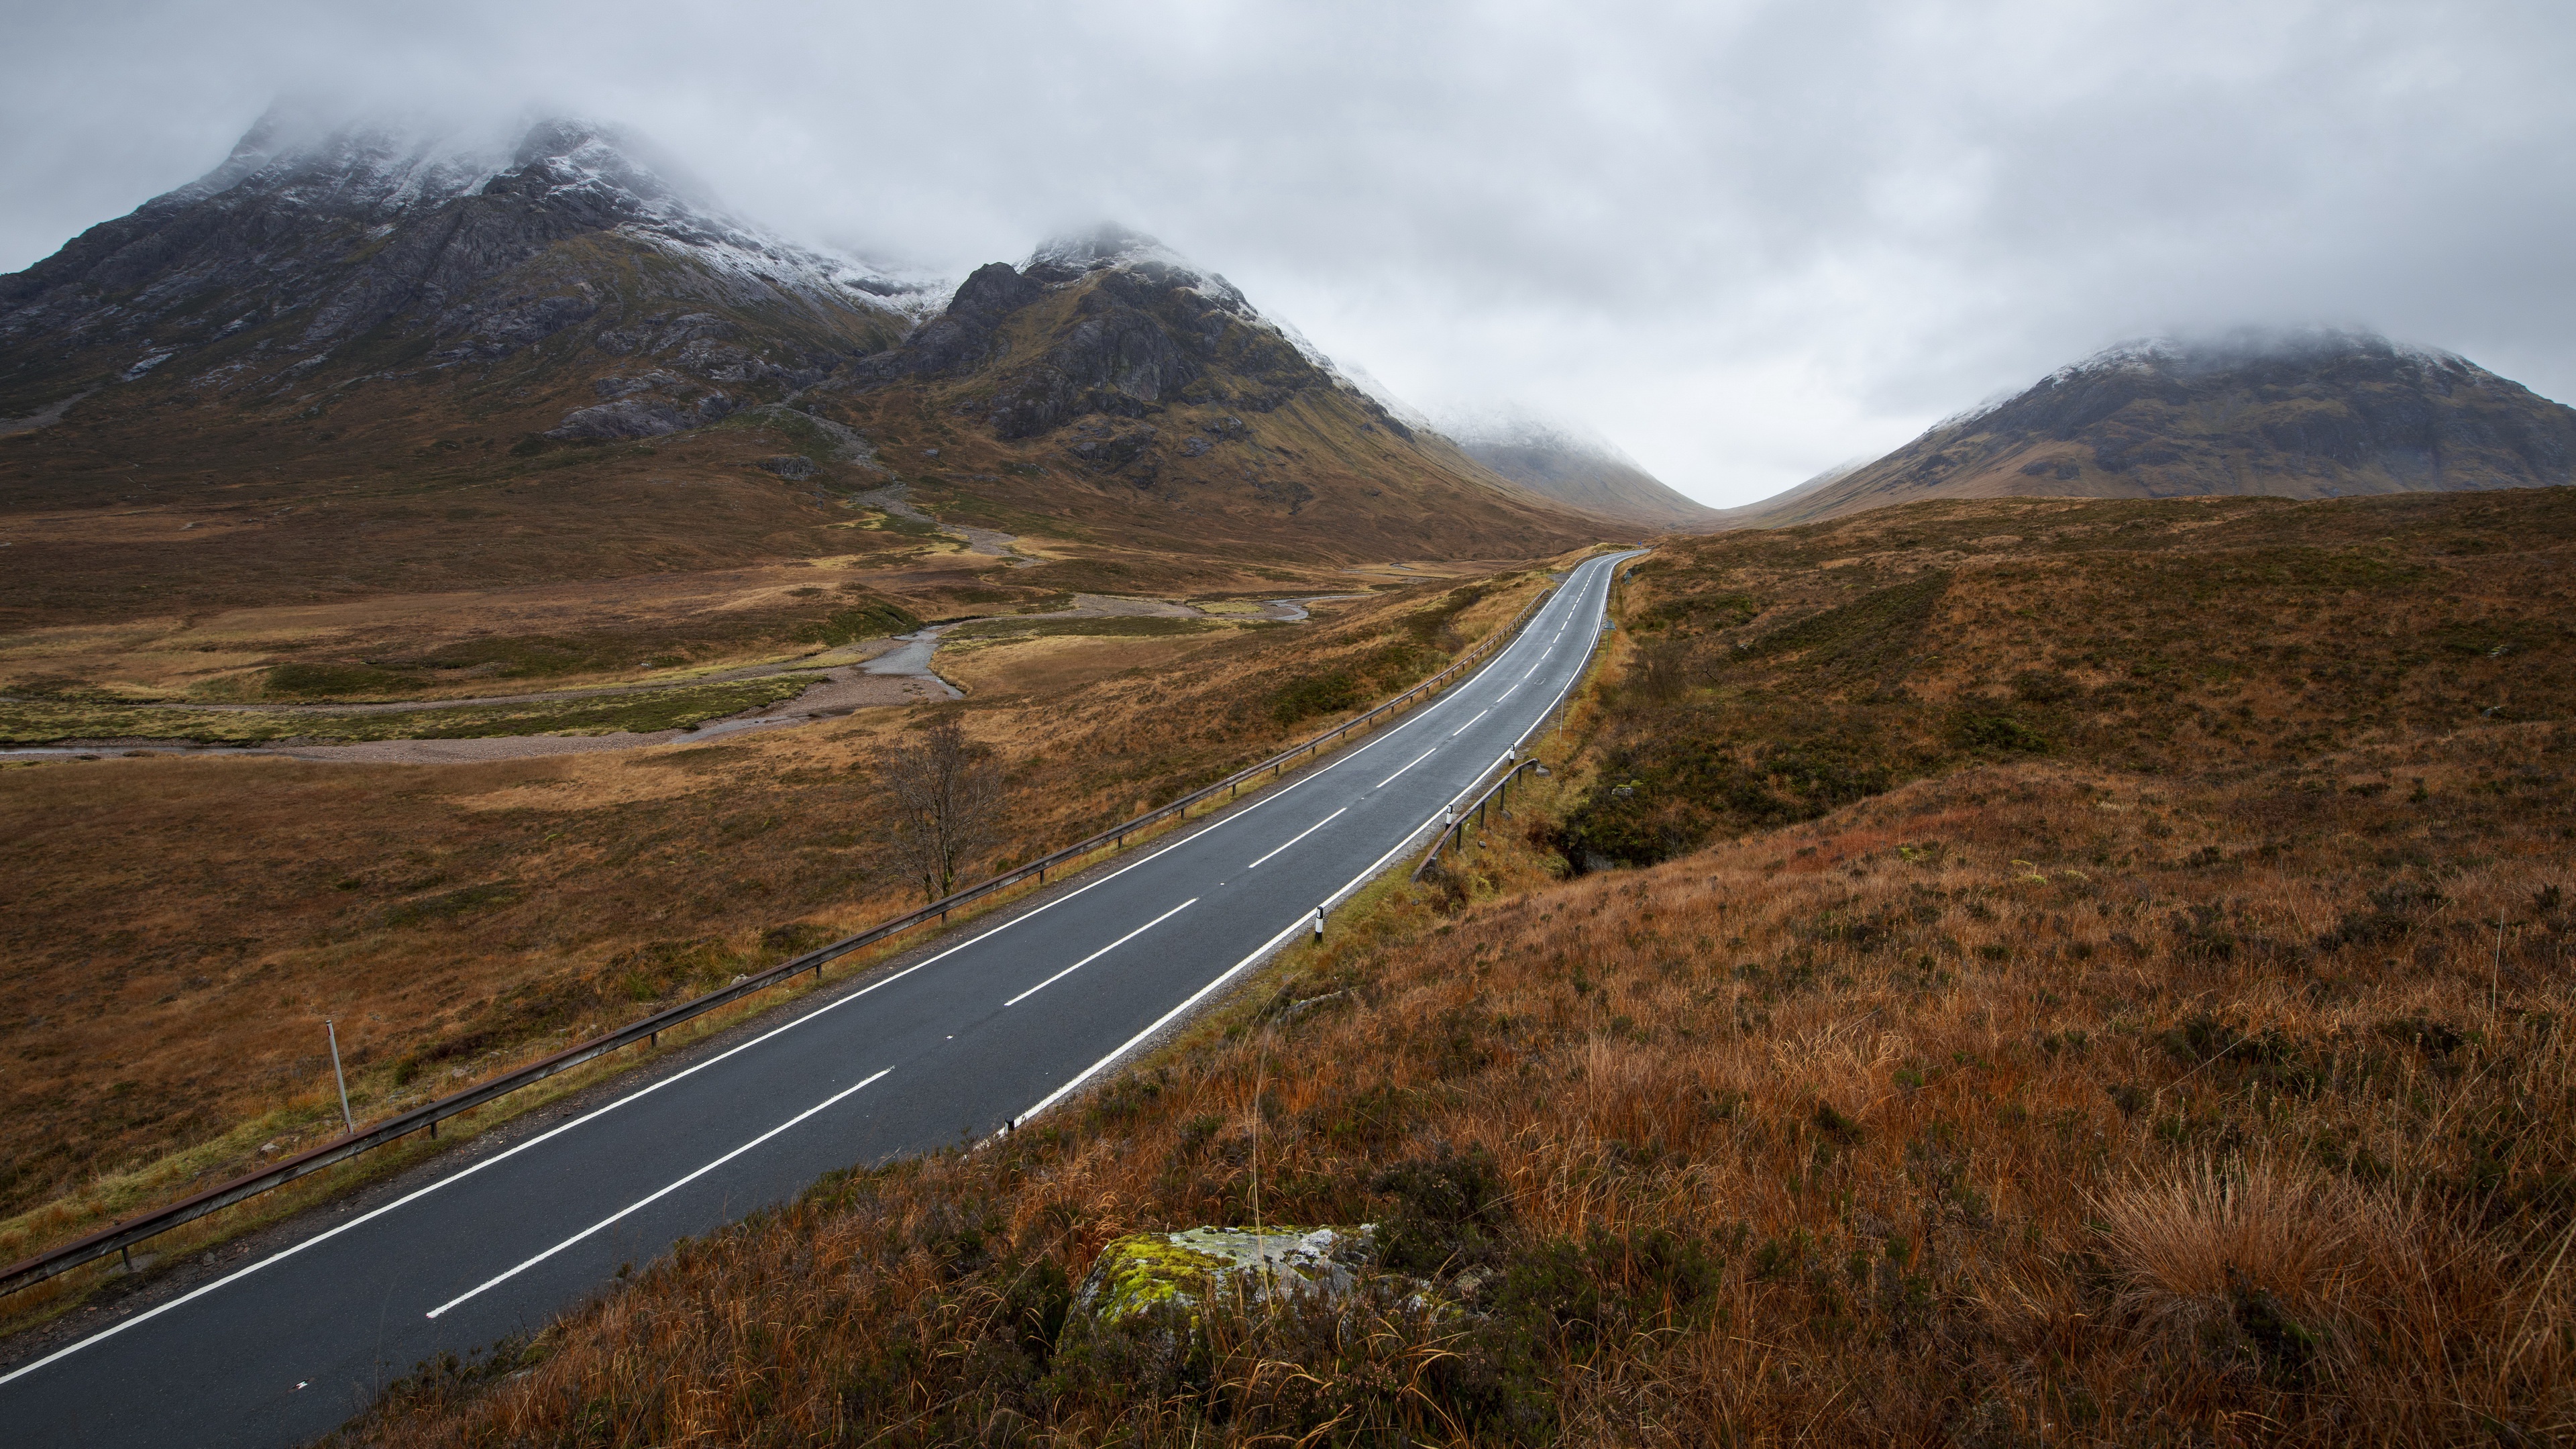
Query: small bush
{"points": [[1316, 694]]}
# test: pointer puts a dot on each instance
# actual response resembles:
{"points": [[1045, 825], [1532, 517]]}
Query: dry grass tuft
{"points": [[2188, 1247]]}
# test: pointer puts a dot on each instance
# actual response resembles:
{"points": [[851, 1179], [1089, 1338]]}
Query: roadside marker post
{"points": [[341, 1077]]}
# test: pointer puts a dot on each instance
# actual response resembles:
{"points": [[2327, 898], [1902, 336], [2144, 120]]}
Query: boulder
{"points": [[1144, 1277]]}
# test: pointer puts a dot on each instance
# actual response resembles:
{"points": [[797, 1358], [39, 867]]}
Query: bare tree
{"points": [[944, 794]]}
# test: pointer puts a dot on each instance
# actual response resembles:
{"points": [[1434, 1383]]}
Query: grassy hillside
{"points": [[2137, 1020], [1780, 674]]}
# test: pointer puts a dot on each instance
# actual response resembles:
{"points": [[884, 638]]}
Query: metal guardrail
{"points": [[1455, 827], [120, 1238], [1498, 794]]}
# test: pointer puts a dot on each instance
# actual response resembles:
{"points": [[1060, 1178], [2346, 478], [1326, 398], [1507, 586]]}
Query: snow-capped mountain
{"points": [[387, 302], [2301, 414], [427, 248]]}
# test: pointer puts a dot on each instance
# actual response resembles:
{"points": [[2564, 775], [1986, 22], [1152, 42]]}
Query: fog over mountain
{"points": [[1573, 465], [1744, 240]]}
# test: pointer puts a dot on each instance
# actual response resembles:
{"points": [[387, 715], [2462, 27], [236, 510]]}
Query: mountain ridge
{"points": [[2303, 414], [508, 356]]}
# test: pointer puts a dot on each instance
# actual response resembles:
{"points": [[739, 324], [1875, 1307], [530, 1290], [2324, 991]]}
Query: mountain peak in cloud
{"points": [[1570, 463], [1107, 244]]}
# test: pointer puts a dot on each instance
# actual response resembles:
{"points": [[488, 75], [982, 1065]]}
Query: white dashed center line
{"points": [[1103, 951], [1302, 834], [1409, 764], [641, 1202]]}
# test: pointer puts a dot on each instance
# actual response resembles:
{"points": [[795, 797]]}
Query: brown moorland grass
{"points": [[1780, 674], [2121, 1002], [179, 927], [2038, 1101], [499, 641]]}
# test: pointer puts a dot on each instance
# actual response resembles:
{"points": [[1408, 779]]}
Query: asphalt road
{"points": [[948, 1047]]}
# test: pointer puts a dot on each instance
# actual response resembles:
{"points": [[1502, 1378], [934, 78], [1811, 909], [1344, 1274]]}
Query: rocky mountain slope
{"points": [[362, 357], [2303, 415], [316, 254], [1109, 380], [1578, 471]]}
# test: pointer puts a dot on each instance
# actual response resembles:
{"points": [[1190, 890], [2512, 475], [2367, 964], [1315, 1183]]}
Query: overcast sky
{"points": [[1744, 241]]}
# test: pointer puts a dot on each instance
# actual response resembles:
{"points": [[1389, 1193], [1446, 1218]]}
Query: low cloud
{"points": [[1743, 241]]}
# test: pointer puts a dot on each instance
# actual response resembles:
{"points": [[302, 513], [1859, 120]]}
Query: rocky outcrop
{"points": [[644, 414], [1108, 451], [962, 338]]}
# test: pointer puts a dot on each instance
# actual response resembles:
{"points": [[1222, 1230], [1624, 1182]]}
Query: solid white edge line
{"points": [[1103, 951], [499, 1157], [1409, 764], [1275, 942], [1302, 834], [1195, 997], [495, 1159], [494, 1282], [1259, 952], [1462, 729], [407, 1199]]}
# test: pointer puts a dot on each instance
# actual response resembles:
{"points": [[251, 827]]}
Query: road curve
{"points": [[954, 1043]]}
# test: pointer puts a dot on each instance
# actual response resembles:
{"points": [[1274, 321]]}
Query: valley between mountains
{"points": [[2058, 932]]}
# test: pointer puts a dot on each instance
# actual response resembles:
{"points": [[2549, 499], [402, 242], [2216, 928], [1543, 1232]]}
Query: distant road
{"points": [[949, 1047]]}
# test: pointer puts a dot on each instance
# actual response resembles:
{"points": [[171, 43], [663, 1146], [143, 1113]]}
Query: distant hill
{"points": [[1579, 471], [2298, 415]]}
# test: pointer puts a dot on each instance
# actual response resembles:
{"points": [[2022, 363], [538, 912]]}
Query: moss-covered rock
{"points": [[1143, 1275]]}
